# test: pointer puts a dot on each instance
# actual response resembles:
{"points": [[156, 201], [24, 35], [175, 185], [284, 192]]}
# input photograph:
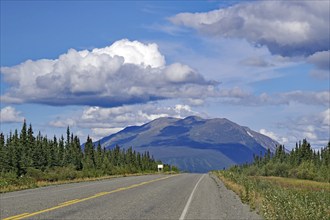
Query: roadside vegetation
{"points": [[282, 185], [28, 161]]}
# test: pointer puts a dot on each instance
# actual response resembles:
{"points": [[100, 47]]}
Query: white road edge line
{"points": [[184, 212]]}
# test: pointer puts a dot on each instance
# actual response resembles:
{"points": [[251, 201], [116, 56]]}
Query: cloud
{"points": [[321, 60], [178, 73], [64, 123], [10, 115], [134, 52], [167, 28], [287, 28], [239, 96], [195, 102], [126, 72], [325, 117], [105, 121], [305, 97], [281, 140], [234, 62], [320, 74], [314, 127], [235, 92], [98, 133], [256, 62]]}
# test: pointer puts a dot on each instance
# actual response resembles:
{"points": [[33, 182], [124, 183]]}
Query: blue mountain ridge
{"points": [[193, 144]]}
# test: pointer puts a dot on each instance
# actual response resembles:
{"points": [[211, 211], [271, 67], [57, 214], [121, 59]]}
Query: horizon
{"points": [[89, 66]]}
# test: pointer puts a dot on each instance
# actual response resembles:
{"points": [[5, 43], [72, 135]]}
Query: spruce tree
{"points": [[89, 159], [3, 159], [60, 152], [99, 156], [77, 153], [30, 145]]}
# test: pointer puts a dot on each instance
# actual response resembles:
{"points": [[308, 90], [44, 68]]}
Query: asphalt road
{"points": [[184, 196]]}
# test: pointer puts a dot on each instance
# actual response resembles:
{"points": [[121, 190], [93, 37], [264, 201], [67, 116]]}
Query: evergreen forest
{"points": [[25, 156], [302, 162]]}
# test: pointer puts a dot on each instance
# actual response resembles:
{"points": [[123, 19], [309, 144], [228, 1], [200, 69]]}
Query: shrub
{"points": [[34, 173], [307, 170], [281, 169]]}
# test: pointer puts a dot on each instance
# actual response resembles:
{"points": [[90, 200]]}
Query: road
{"points": [[183, 196]]}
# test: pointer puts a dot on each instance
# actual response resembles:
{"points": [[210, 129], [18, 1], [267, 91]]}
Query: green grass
{"points": [[281, 198], [296, 183]]}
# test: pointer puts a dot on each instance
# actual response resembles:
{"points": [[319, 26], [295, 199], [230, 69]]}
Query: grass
{"points": [[281, 198], [296, 183]]}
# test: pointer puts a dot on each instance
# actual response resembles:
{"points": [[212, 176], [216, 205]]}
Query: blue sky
{"points": [[99, 66]]}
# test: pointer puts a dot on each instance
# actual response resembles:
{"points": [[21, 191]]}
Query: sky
{"points": [[100, 66]]}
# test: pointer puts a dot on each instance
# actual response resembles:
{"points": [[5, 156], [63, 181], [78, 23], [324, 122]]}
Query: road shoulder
{"points": [[212, 200]]}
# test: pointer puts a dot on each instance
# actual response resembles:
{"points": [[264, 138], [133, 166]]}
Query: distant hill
{"points": [[194, 144]]}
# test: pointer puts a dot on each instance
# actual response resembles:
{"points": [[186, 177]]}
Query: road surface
{"points": [[183, 196]]}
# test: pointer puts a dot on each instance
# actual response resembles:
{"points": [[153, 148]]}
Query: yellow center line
{"points": [[101, 193], [75, 201], [69, 202], [16, 216]]}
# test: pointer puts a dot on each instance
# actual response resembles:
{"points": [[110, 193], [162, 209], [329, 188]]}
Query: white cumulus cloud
{"points": [[10, 115], [135, 52], [179, 73], [125, 72]]}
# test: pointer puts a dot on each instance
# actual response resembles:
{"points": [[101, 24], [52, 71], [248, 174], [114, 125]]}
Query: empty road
{"points": [[183, 196]]}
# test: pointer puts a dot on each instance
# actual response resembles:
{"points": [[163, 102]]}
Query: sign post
{"points": [[160, 167]]}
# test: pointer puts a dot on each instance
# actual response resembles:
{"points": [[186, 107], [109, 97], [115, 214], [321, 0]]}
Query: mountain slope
{"points": [[194, 144]]}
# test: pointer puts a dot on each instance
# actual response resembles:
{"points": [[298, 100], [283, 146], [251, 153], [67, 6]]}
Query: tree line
{"points": [[302, 162], [23, 153]]}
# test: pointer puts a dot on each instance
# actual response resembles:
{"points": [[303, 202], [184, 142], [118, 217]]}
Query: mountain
{"points": [[194, 144]]}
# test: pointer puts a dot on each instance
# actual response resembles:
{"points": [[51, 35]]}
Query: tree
{"points": [[3, 153], [30, 143], [77, 153], [99, 156], [40, 157], [89, 159], [60, 151], [23, 145], [68, 150], [302, 162], [15, 153]]}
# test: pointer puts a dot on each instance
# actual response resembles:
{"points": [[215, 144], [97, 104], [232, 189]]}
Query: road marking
{"points": [[55, 191], [101, 193], [75, 201], [69, 202], [17, 216], [184, 212]]}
